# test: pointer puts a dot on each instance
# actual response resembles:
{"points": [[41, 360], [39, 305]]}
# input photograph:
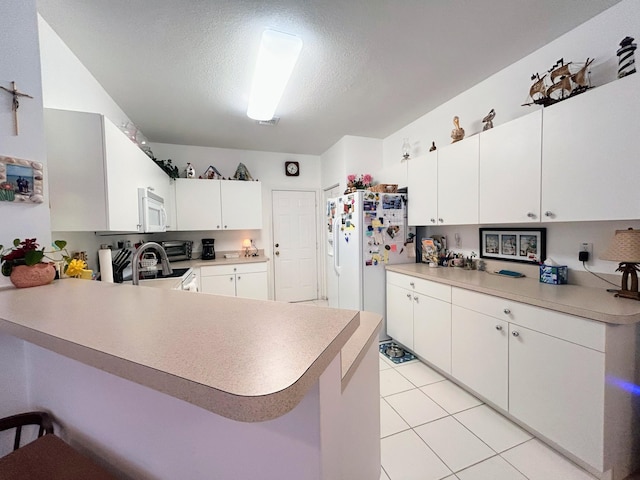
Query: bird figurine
{"points": [[488, 120], [433, 146], [457, 133], [190, 171]]}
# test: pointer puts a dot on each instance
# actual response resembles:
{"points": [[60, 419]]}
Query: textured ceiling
{"points": [[181, 69]]}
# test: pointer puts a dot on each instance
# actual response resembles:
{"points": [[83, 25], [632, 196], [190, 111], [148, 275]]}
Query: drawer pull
{"points": [[413, 284], [531, 215], [515, 333], [506, 311], [441, 220], [498, 327], [416, 299], [409, 296], [433, 220]]}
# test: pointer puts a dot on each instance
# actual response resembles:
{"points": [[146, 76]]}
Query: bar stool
{"points": [[47, 457]]}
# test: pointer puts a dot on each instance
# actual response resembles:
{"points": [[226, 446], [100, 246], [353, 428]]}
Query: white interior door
{"points": [[295, 246]]}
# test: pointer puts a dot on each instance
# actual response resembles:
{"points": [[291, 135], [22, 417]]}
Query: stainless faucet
{"points": [[164, 260]]}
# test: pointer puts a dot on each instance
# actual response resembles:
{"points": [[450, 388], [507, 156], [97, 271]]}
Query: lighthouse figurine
{"points": [[626, 60]]}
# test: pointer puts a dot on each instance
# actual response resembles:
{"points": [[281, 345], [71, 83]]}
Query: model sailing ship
{"points": [[562, 81]]}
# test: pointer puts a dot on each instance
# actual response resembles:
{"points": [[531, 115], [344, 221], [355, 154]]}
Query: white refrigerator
{"points": [[366, 231]]}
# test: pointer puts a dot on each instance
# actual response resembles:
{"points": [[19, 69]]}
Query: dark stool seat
{"points": [[48, 457]]}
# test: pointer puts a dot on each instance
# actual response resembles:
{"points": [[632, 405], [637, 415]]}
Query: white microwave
{"points": [[153, 216]]}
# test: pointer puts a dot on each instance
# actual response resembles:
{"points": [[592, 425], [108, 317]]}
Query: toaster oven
{"points": [[178, 249]]}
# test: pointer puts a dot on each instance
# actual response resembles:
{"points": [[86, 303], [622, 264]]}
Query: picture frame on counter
{"points": [[524, 245]]}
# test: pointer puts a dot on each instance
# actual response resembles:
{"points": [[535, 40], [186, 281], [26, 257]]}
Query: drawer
{"points": [[420, 285], [582, 331], [231, 269]]}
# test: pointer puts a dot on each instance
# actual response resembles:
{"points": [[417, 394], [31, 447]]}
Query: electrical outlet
{"points": [[586, 249]]}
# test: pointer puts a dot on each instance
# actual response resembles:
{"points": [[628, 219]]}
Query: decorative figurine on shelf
{"points": [[433, 146], [190, 171], [457, 133], [562, 81], [406, 149], [242, 173], [626, 59], [488, 120], [212, 173]]}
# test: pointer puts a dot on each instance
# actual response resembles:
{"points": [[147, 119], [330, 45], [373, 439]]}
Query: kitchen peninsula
{"points": [[170, 384]]}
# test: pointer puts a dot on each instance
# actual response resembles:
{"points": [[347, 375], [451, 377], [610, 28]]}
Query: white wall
{"points": [[19, 57], [505, 91], [66, 82], [351, 155]]}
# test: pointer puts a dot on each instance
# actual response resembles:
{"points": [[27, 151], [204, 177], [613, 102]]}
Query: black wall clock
{"points": [[292, 169]]}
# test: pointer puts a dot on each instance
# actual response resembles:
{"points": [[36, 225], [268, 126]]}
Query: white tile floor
{"points": [[432, 429]]}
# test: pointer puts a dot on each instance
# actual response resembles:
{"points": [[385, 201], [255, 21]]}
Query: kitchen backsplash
{"points": [[226, 241]]}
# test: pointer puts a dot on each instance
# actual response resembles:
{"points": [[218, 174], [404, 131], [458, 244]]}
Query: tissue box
{"points": [[554, 274]]}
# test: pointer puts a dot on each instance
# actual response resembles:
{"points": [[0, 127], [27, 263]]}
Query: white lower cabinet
{"points": [[557, 388], [480, 353], [545, 368], [239, 280], [564, 377], [419, 317]]}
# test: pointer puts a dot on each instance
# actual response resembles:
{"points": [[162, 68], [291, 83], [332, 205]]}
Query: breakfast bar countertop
{"points": [[247, 360], [588, 302]]}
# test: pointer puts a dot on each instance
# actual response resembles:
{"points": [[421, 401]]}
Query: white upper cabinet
{"points": [[241, 205], [218, 204], [422, 208], [94, 173], [198, 204], [510, 160], [458, 182], [590, 152]]}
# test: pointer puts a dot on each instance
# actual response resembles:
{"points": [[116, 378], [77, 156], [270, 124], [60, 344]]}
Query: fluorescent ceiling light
{"points": [[277, 56]]}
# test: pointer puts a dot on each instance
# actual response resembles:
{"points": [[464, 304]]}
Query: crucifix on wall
{"points": [[15, 102]]}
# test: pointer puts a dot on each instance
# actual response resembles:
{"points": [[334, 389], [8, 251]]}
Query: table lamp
{"points": [[246, 244], [625, 248]]}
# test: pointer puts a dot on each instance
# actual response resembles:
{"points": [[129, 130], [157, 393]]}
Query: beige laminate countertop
{"points": [[592, 303], [248, 360]]}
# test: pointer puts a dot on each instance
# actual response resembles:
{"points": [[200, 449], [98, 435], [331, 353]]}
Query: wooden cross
{"points": [[15, 103]]}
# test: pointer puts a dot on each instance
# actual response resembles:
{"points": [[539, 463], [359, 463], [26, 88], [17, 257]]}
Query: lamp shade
{"points": [[624, 248], [246, 243]]}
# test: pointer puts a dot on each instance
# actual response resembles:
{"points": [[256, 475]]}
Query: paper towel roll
{"points": [[106, 267]]}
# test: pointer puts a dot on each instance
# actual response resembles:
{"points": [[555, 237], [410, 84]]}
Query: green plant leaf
{"points": [[60, 244], [33, 256], [16, 242], [6, 268]]}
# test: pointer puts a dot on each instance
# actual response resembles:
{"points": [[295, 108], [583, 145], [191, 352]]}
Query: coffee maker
{"points": [[208, 249]]}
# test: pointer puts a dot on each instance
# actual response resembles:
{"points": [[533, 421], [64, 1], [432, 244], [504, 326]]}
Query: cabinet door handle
{"points": [[239, 278], [412, 284], [416, 299], [218, 227], [409, 296], [441, 220], [548, 214], [515, 333], [498, 327], [531, 215], [506, 311], [225, 226], [433, 220], [231, 279]]}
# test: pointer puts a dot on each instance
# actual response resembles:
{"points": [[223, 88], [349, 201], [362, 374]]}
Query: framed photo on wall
{"points": [[525, 245]]}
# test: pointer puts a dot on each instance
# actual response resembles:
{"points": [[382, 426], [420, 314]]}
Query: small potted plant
{"points": [[24, 263]]}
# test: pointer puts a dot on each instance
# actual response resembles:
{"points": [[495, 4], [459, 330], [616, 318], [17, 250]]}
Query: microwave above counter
{"points": [[153, 216]]}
